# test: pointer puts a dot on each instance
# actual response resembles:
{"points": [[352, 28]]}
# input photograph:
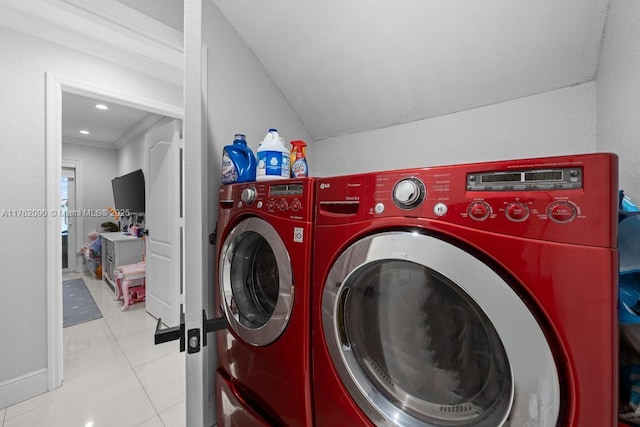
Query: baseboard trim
{"points": [[23, 387]]}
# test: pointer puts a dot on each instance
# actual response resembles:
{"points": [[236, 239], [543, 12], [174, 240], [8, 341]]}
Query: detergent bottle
{"points": [[273, 158], [299, 167], [238, 161]]}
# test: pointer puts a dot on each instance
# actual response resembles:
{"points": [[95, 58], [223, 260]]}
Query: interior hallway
{"points": [[113, 373]]}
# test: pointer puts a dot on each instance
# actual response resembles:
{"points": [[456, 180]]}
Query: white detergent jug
{"points": [[273, 158]]}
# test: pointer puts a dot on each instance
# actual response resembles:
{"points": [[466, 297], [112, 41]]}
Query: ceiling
{"points": [[358, 65], [111, 128], [348, 67]]}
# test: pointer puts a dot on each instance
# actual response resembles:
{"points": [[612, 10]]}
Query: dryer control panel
{"points": [[570, 199]]}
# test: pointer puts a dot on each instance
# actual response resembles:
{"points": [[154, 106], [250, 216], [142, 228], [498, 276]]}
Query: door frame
{"points": [[54, 87]]}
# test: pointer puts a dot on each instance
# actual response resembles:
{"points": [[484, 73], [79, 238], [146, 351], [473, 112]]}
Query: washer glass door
{"points": [[256, 282], [423, 333]]}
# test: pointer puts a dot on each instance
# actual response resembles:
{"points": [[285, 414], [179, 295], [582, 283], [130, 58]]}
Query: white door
{"points": [[164, 224], [200, 363]]}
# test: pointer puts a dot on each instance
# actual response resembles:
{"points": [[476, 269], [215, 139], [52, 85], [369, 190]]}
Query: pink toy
{"points": [[130, 283]]}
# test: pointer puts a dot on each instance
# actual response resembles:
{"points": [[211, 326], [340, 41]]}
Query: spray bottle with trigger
{"points": [[299, 167]]}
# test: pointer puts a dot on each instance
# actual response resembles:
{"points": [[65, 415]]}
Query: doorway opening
{"points": [[55, 87]]}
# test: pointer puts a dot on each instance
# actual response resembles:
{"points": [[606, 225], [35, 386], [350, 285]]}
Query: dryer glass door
{"points": [[256, 282], [423, 333]]}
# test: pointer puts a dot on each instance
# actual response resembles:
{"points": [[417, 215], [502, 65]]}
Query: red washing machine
{"points": [[469, 295], [263, 288]]}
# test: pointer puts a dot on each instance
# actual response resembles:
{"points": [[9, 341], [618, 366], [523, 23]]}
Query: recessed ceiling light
{"points": [[101, 107], [84, 132]]}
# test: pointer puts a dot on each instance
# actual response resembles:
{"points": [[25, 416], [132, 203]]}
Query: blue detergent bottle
{"points": [[238, 161]]}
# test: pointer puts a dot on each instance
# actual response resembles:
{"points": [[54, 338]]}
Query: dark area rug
{"points": [[78, 306]]}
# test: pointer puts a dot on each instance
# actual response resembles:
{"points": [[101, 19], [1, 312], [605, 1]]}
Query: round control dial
{"points": [[409, 193], [562, 211], [479, 211], [248, 195], [517, 212]]}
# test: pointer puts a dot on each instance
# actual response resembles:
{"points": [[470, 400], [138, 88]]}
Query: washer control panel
{"points": [[286, 199]]}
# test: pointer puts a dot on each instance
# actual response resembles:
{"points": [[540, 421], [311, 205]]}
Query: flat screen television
{"points": [[128, 192]]}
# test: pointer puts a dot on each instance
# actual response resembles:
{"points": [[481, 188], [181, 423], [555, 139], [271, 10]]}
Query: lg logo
{"points": [[324, 186]]}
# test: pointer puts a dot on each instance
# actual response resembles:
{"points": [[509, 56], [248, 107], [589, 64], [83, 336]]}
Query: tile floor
{"points": [[113, 374]]}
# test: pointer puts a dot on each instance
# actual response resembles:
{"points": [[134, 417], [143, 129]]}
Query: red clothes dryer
{"points": [[263, 288], [469, 295]]}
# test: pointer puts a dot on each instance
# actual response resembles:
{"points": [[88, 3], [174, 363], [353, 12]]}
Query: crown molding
{"points": [[88, 143], [107, 29], [138, 129]]}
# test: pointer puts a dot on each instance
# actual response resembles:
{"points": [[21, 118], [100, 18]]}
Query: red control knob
{"points": [[479, 210], [517, 212], [296, 205], [283, 205], [561, 211]]}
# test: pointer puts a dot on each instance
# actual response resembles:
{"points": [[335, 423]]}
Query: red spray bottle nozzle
{"points": [[298, 143]]}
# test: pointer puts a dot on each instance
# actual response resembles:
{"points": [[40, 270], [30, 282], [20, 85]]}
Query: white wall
{"points": [[242, 98], [557, 122], [99, 167], [23, 306], [131, 157], [619, 92]]}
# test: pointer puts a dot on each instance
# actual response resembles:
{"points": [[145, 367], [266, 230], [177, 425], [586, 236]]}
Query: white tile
{"points": [[2, 412], [109, 308], [120, 401], [153, 422], [139, 348], [164, 380], [93, 365], [82, 369], [98, 361], [33, 403], [86, 335], [129, 323], [175, 416], [100, 291]]}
